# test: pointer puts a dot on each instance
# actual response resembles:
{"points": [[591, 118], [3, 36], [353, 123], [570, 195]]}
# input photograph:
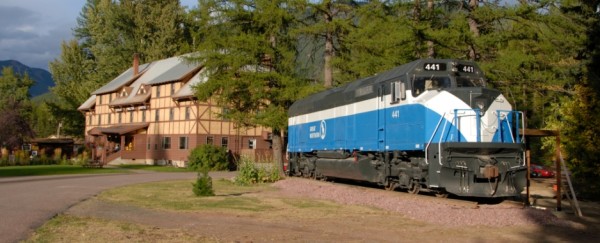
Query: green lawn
{"points": [[37, 170]]}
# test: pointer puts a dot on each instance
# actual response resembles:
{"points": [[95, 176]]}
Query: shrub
{"points": [[208, 156], [250, 172], [203, 186]]}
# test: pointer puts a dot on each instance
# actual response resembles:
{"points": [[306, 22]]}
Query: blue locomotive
{"points": [[429, 125]]}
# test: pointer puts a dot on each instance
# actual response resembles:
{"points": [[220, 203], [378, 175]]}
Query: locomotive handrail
{"points": [[432, 136], [439, 142], [519, 114]]}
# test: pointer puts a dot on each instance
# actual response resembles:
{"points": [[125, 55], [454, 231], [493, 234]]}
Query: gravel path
{"points": [[420, 208]]}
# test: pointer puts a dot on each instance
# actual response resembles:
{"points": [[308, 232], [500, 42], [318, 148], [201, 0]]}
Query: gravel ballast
{"points": [[423, 208]]}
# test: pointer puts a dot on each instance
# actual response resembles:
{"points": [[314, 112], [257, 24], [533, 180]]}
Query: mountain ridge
{"points": [[43, 80]]}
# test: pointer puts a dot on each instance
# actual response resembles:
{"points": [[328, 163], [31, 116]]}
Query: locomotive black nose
{"points": [[477, 98]]}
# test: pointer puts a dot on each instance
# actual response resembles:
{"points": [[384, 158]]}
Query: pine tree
{"points": [[325, 25], [250, 51]]}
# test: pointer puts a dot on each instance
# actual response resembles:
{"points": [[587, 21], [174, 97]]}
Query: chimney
{"points": [[136, 64]]}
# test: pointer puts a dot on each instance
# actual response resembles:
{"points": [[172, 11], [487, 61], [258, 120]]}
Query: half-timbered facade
{"points": [[149, 115]]}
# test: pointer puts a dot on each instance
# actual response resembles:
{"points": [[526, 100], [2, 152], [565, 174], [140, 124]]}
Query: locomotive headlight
{"points": [[480, 104]]}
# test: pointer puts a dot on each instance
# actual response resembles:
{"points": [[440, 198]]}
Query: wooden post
{"points": [[528, 160], [558, 175]]}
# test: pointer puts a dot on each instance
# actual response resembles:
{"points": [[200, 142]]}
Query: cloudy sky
{"points": [[31, 30]]}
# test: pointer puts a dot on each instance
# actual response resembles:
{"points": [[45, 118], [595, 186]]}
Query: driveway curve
{"points": [[28, 202]]}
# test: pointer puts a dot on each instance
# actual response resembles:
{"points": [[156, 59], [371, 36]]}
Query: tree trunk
{"points": [[430, 47], [474, 27], [278, 151], [329, 52], [328, 55]]}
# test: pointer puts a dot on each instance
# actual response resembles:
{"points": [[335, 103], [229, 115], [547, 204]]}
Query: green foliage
{"points": [[255, 77], [108, 34], [42, 120], [203, 186], [250, 172], [208, 157], [15, 107]]}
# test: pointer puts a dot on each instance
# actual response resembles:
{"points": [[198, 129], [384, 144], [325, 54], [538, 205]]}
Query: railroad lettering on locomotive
{"points": [[429, 125]]}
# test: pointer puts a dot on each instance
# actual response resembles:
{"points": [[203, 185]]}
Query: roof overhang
{"points": [[119, 129]]}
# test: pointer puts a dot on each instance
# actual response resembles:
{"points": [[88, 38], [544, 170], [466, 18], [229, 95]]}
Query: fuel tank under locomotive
{"points": [[338, 164]]}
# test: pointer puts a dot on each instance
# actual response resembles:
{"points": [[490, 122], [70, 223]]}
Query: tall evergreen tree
{"points": [[250, 52], [326, 23]]}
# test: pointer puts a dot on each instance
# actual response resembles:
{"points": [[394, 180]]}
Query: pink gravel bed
{"points": [[420, 208]]}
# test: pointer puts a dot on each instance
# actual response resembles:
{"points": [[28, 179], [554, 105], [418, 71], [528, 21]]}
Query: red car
{"points": [[541, 171]]}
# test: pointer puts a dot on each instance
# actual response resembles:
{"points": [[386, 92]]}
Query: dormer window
{"points": [[143, 90], [124, 93]]}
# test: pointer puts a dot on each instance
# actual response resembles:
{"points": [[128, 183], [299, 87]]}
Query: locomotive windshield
{"points": [[469, 82], [421, 84]]}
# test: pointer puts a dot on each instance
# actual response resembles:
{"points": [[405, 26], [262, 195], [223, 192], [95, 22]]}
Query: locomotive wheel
{"points": [[441, 194], [414, 188], [391, 186]]}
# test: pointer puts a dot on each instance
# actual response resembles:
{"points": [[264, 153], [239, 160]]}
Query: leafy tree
{"points": [[107, 36], [250, 51], [382, 37], [577, 114], [75, 75], [15, 108], [325, 24], [42, 121]]}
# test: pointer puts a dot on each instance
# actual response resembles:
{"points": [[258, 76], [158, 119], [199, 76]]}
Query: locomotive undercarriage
{"points": [[462, 169], [392, 170]]}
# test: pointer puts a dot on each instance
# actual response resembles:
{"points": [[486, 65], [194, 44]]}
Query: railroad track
{"points": [[467, 203]]}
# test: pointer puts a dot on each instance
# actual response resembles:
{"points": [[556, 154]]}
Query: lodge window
{"points": [[166, 143], [131, 116], [99, 119], [209, 140], [120, 118], [224, 113], [89, 120], [109, 118], [144, 116], [171, 114], [156, 115], [224, 142], [183, 142], [157, 91], [252, 143], [172, 88], [100, 99], [187, 113]]}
